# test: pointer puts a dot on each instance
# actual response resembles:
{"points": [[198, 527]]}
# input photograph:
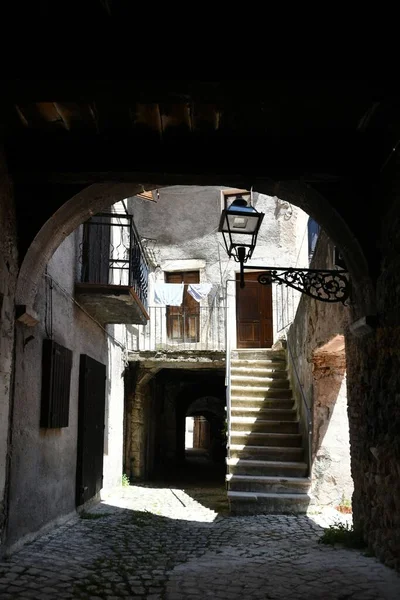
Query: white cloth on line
{"points": [[199, 291], [170, 294]]}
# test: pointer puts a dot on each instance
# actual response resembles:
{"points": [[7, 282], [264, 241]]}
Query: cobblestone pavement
{"points": [[162, 544]]}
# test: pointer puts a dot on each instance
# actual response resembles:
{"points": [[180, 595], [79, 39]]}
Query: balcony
{"points": [[174, 329], [113, 276]]}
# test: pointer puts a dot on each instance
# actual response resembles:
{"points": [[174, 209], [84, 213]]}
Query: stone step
{"points": [[257, 354], [258, 427], [259, 382], [250, 503], [272, 373], [255, 452], [266, 467], [259, 364], [269, 414], [238, 391], [245, 444], [264, 403], [268, 484]]}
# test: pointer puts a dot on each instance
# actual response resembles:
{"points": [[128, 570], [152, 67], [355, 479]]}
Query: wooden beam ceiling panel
{"points": [[147, 116], [77, 115], [205, 117], [39, 115], [176, 118]]}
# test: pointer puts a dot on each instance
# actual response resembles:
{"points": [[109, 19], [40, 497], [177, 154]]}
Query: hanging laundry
{"points": [[199, 291], [170, 294]]}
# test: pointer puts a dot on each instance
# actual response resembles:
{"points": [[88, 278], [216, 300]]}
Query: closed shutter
{"points": [[56, 383]]}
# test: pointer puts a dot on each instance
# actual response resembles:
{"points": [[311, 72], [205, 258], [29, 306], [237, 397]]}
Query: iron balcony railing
{"points": [[112, 253], [175, 328]]}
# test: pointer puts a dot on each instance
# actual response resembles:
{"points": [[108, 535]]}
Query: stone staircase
{"points": [[266, 465]]}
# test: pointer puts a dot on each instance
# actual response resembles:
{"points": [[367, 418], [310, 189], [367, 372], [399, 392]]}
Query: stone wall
{"points": [[316, 348], [8, 276], [374, 401], [157, 402]]}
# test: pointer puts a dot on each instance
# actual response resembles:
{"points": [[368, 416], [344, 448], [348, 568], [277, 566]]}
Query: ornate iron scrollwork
{"points": [[324, 285]]}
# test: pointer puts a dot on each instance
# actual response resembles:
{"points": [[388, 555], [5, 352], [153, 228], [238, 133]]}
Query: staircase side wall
{"points": [[316, 343]]}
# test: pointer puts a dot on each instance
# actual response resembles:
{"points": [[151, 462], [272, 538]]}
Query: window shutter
{"points": [[56, 383]]}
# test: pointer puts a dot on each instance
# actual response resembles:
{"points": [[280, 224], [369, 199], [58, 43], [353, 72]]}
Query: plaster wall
{"points": [[8, 276], [43, 464], [183, 225], [331, 471], [316, 352]]}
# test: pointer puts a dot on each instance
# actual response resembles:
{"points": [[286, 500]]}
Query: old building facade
{"points": [[183, 348], [329, 148]]}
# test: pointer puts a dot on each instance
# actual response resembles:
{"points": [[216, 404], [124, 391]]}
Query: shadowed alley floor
{"points": [[160, 543]]}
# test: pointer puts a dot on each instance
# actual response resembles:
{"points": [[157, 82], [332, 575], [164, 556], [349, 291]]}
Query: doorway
{"points": [[183, 322], [253, 313]]}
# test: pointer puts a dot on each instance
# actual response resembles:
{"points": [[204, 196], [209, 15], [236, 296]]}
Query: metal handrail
{"points": [[228, 345], [228, 379], [307, 408]]}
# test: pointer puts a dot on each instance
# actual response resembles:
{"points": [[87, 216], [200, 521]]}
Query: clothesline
{"points": [[171, 294]]}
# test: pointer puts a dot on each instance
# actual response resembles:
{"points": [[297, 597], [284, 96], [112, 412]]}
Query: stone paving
{"points": [[144, 542]]}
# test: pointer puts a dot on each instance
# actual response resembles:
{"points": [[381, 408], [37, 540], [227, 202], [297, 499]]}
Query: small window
{"points": [[56, 382], [313, 233], [228, 196]]}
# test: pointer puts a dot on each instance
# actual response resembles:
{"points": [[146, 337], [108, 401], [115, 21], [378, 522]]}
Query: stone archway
{"points": [[212, 409]]}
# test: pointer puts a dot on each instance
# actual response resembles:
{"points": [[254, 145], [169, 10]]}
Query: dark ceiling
{"points": [[81, 131]]}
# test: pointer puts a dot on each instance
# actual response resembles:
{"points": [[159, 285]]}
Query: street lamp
{"points": [[240, 224]]}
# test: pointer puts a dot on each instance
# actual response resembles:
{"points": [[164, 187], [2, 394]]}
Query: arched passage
{"points": [[209, 415], [96, 197]]}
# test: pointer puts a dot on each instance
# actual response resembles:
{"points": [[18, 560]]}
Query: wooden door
{"points": [[92, 397], [253, 313], [183, 321]]}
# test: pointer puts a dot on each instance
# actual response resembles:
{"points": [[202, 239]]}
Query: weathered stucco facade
{"points": [[182, 231], [44, 461], [181, 228]]}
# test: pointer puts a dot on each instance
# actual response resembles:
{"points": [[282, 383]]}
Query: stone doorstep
{"points": [[268, 484], [241, 502], [269, 479], [263, 495]]}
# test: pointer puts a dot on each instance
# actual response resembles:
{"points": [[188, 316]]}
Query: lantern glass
{"points": [[239, 226]]}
